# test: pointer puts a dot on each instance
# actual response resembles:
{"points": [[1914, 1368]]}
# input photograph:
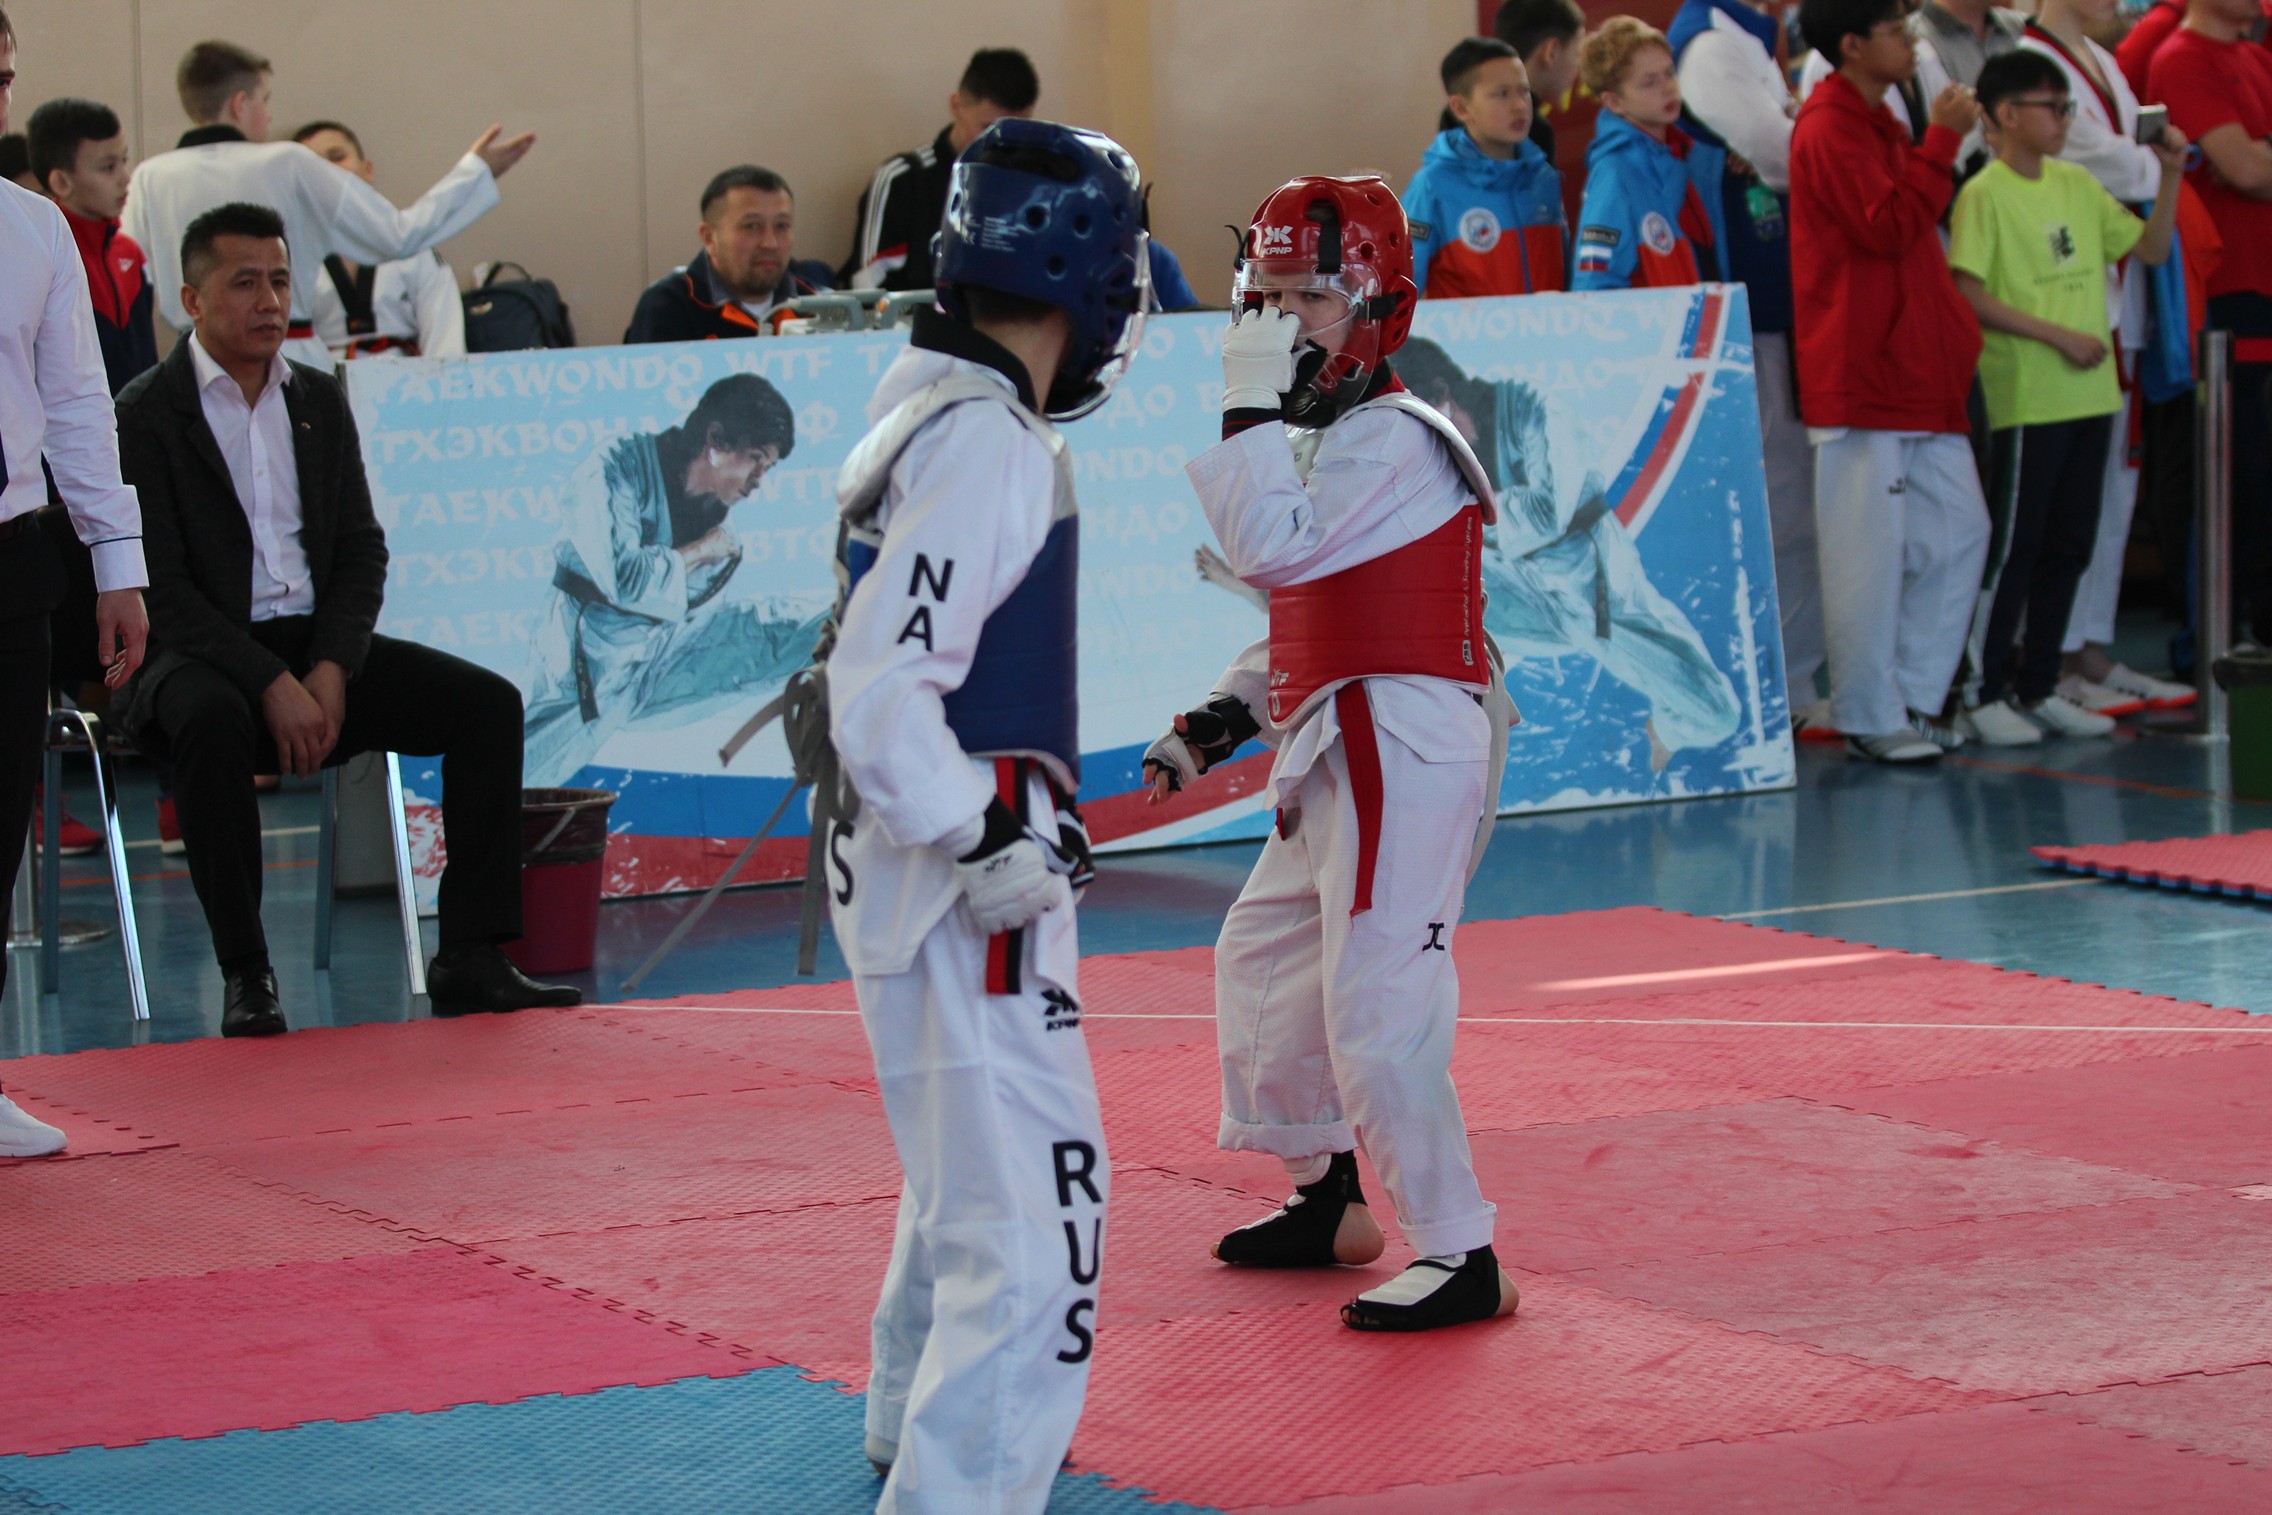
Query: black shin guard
{"points": [[1301, 1235], [1468, 1292]]}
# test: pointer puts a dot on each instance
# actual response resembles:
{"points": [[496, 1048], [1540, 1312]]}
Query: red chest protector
{"points": [[1416, 611]]}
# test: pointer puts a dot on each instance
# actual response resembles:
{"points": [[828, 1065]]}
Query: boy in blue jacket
{"points": [[1651, 215], [1486, 206]]}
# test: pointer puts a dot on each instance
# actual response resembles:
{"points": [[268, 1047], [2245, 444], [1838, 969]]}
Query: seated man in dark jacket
{"points": [[746, 273], [267, 569]]}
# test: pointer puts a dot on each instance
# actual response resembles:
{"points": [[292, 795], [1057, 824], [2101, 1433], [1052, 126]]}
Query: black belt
{"points": [[24, 525]]}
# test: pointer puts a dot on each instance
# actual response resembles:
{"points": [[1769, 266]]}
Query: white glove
{"points": [[1258, 358], [1010, 883]]}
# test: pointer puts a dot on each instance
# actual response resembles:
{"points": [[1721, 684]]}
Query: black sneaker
{"points": [[1326, 1224]]}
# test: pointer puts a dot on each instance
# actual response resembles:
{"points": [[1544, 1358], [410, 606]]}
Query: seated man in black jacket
{"points": [[267, 569], [746, 272]]}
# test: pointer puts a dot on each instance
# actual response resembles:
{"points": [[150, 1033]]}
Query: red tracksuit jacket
{"points": [[1883, 339]]}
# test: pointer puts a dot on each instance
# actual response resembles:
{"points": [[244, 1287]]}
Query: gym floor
{"points": [[619, 1259]]}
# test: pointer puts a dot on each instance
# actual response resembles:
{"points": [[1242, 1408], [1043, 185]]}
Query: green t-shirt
{"points": [[2042, 246]]}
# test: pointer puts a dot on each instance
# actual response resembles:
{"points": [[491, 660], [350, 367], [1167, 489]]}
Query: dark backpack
{"points": [[513, 314]]}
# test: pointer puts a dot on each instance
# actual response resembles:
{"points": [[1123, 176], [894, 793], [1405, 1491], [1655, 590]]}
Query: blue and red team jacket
{"points": [[1651, 216], [1486, 226]]}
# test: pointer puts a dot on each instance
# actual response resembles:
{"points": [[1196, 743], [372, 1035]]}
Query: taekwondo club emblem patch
{"points": [[1479, 229], [1657, 234]]}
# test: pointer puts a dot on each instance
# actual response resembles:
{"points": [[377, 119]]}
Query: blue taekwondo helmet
{"points": [[1055, 214]]}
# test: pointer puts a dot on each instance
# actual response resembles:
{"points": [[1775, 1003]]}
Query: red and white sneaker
{"points": [[2097, 698], [169, 829], [2150, 692], [74, 837]]}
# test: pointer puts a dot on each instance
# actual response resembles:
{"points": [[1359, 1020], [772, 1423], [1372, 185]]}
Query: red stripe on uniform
{"points": [[1002, 947], [1362, 749]]}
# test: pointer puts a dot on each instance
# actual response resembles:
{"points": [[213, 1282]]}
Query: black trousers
{"points": [[2248, 314], [407, 699], [2050, 476], [31, 582]]}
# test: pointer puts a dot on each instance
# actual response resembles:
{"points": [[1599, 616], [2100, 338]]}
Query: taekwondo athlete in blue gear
{"points": [[1561, 570], [952, 686], [638, 631]]}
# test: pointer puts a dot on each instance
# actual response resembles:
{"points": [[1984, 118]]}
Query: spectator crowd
{"points": [[1978, 247]]}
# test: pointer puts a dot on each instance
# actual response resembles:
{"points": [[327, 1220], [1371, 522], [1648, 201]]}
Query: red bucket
{"points": [[563, 861]]}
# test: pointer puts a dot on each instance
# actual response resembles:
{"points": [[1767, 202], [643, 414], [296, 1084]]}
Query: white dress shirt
{"points": [[54, 398], [256, 443], [325, 208]]}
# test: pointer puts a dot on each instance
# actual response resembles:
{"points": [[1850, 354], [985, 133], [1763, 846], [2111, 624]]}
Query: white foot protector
{"points": [[23, 1134], [881, 1454], [1435, 1292]]}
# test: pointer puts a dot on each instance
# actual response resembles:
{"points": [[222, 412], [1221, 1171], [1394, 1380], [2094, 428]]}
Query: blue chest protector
{"points": [[1021, 697]]}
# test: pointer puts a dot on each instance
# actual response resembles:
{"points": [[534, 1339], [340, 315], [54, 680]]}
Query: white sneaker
{"points": [[2077, 690], [2063, 717], [24, 1135], [1999, 723], [2156, 694], [1906, 746]]}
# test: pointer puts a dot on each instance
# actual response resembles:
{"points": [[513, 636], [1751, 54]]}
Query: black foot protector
{"points": [[1433, 1292], [1325, 1224]]}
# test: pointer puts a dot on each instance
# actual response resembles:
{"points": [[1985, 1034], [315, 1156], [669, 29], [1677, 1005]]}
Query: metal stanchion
{"points": [[2213, 525]]}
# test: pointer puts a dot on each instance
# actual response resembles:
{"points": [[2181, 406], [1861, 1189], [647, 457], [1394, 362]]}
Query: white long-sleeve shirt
{"points": [[54, 399], [1734, 86], [412, 300], [1292, 506], [325, 208]]}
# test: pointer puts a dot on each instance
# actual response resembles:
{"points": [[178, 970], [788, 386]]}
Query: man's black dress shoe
{"points": [[475, 979], [248, 1004]]}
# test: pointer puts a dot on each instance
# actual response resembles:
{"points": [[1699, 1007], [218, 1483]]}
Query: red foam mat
{"points": [[800, 1286], [120, 1363], [89, 1136], [2205, 1119], [1994, 1460], [361, 1078], [2217, 1414], [2027, 1304], [2240, 865], [608, 1165], [1283, 1405], [119, 1219], [1687, 1183], [1759, 1186]]}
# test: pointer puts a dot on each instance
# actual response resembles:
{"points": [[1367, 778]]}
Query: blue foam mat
{"points": [[765, 1441]]}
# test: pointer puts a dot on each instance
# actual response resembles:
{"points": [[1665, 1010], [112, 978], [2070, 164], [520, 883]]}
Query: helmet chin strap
{"points": [[1312, 404]]}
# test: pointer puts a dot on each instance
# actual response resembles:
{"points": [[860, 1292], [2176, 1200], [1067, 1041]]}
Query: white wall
{"points": [[637, 102]]}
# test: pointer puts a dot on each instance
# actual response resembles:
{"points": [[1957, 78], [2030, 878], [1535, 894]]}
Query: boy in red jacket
{"points": [[1886, 352]]}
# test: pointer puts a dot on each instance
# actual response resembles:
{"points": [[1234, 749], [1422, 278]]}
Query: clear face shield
{"points": [[1336, 358], [1071, 401]]}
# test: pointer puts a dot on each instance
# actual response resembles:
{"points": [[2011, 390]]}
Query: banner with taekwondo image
{"points": [[562, 518]]}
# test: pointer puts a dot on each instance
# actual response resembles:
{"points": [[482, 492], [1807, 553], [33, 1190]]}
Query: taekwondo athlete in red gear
{"points": [[952, 685], [1361, 512]]}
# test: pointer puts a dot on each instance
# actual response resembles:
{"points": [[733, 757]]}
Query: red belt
{"points": [[2252, 349], [298, 330], [1361, 749]]}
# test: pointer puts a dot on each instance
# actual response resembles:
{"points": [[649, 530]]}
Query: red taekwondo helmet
{"points": [[1343, 237]]}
